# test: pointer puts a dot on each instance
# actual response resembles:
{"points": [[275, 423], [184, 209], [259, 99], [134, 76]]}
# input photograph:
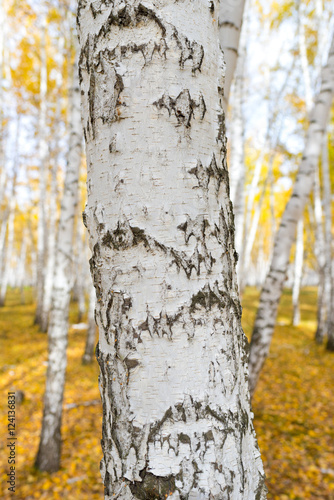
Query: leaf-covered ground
{"points": [[293, 406]]}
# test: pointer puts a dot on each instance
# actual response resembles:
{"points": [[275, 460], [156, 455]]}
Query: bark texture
{"points": [[48, 457], [272, 288], [172, 354]]}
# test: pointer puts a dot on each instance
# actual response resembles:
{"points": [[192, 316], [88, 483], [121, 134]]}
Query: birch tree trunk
{"points": [[43, 152], [322, 307], [173, 375], [51, 246], [272, 288], [330, 331], [8, 246], [52, 218], [48, 457], [8, 253], [22, 264], [237, 158], [329, 266], [81, 269], [298, 272], [230, 22], [91, 330]]}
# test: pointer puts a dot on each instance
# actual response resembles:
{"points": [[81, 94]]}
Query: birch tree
{"points": [[91, 329], [172, 354], [273, 286], [48, 456], [230, 22], [52, 218], [43, 153], [298, 272]]}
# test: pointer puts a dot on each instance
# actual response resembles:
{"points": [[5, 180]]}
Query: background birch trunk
{"points": [[237, 169], [273, 286], [48, 457], [330, 330], [323, 298], [52, 218], [298, 272], [51, 247], [43, 153], [81, 269], [91, 330], [329, 266], [21, 271], [329, 271], [9, 244], [163, 259], [230, 22]]}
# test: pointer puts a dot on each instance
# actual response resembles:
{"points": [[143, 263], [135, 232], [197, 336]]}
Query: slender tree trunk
{"points": [[329, 266], [81, 270], [8, 254], [230, 22], [3, 232], [237, 157], [91, 331], [163, 260], [330, 333], [22, 264], [273, 286], [298, 272], [3, 174], [51, 246], [322, 309], [43, 153], [52, 219], [48, 457], [8, 248]]}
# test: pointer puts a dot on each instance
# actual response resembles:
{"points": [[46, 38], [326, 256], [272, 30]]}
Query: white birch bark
{"points": [[43, 154], [91, 330], [272, 289], [319, 248], [329, 266], [3, 174], [330, 329], [3, 232], [51, 253], [81, 269], [21, 268], [9, 246], [230, 22], [173, 376], [237, 169], [249, 241], [298, 272], [48, 457], [52, 218], [303, 59]]}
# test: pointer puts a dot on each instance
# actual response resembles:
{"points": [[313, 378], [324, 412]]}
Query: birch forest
{"points": [[166, 254]]}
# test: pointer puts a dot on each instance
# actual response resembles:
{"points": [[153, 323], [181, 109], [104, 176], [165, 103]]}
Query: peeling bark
{"points": [[273, 286], [172, 354]]}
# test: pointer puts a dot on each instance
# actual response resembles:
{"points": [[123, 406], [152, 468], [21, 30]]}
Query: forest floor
{"points": [[293, 407]]}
